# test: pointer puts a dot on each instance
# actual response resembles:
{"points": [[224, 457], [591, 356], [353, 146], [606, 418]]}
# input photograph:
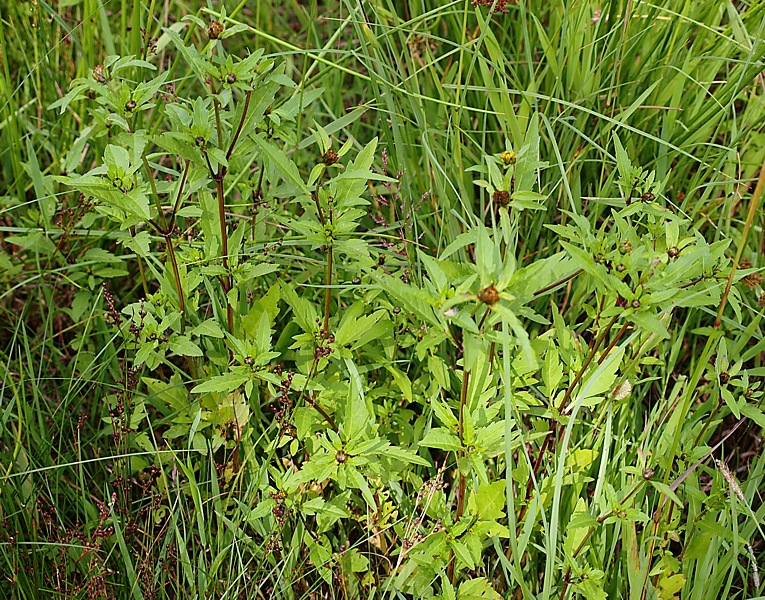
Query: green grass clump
{"points": [[381, 300]]}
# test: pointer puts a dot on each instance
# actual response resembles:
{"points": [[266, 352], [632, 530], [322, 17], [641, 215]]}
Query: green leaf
{"points": [[208, 328], [649, 322], [478, 588], [552, 369], [263, 335], [753, 412], [578, 526], [356, 480], [356, 417], [443, 413], [221, 383], [667, 491], [305, 312], [600, 380], [462, 552], [441, 438], [486, 256], [285, 166], [489, 502], [407, 456], [183, 346]]}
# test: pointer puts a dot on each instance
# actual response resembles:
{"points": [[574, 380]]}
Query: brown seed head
{"points": [[752, 280], [98, 74], [489, 295], [214, 30], [501, 197], [330, 157]]}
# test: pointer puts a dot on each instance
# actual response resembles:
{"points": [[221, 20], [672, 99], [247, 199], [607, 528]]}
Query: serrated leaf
{"points": [[208, 328], [441, 438], [183, 346], [284, 164], [221, 383], [462, 552], [489, 502]]}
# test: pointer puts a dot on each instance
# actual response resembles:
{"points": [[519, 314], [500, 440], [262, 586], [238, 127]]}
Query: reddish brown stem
{"points": [[566, 397], [240, 126], [227, 280], [560, 282]]}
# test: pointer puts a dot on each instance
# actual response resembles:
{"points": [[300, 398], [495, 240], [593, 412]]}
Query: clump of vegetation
{"points": [[469, 310]]}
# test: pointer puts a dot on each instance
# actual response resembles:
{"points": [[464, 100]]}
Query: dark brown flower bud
{"points": [[489, 295], [330, 157], [214, 30], [130, 105], [231, 78], [501, 197]]}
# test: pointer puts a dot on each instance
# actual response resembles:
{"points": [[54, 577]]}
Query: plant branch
{"points": [[560, 282], [240, 126]]}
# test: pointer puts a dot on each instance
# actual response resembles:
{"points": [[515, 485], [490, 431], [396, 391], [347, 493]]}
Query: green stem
{"points": [[592, 530], [227, 280], [140, 269], [462, 485], [551, 434], [154, 193], [179, 196], [327, 293]]}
